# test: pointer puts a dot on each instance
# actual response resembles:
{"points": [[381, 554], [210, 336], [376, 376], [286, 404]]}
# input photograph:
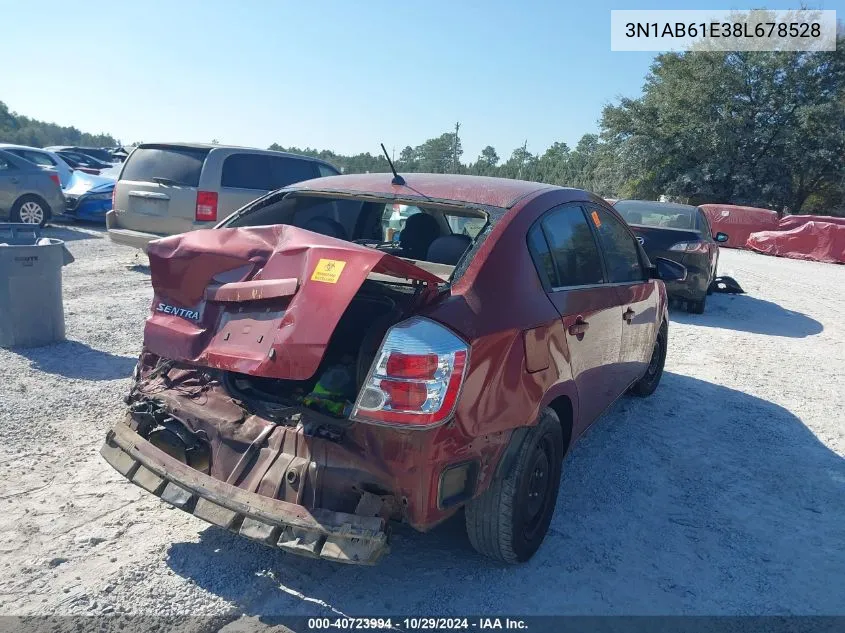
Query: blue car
{"points": [[88, 197]]}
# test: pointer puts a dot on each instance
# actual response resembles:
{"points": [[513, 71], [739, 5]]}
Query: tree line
{"points": [[765, 129], [20, 130]]}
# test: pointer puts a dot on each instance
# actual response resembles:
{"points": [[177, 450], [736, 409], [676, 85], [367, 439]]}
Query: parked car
{"points": [[42, 158], [169, 188], [88, 197], [347, 381], [101, 154], [83, 162], [28, 193], [682, 233]]}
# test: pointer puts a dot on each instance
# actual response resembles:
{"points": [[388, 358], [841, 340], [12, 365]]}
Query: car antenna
{"points": [[397, 179]]}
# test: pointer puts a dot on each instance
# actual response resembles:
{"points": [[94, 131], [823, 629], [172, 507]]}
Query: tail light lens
{"points": [[416, 377], [55, 179], [689, 247], [206, 206], [113, 193]]}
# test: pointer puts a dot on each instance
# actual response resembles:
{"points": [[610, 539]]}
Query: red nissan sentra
{"points": [[355, 350]]}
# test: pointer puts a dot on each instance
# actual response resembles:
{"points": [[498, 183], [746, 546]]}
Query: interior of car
{"points": [[419, 233]]}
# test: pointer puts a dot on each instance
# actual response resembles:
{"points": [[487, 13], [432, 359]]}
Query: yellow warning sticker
{"points": [[328, 270], [596, 220]]}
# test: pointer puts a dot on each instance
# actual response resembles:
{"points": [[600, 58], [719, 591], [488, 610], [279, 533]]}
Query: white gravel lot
{"points": [[723, 493]]}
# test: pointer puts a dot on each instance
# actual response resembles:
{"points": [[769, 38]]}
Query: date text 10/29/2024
{"points": [[417, 624]]}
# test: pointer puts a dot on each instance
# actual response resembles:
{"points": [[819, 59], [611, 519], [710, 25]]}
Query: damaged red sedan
{"points": [[356, 350]]}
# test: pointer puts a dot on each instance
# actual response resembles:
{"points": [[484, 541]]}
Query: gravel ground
{"points": [[720, 494]]}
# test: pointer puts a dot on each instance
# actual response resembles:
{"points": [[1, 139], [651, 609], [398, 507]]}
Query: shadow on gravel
{"points": [[144, 269], [699, 500], [72, 359], [749, 314], [69, 234]]}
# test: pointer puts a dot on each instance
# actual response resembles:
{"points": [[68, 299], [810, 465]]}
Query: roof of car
{"points": [[238, 147], [651, 204], [13, 146], [480, 190]]}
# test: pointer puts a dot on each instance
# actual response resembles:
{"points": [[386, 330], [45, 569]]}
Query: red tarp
{"points": [[817, 241], [739, 222], [791, 221]]}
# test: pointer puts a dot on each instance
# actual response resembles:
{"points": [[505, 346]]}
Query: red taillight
{"points": [[55, 179], [418, 386], [405, 396], [206, 206], [421, 366]]}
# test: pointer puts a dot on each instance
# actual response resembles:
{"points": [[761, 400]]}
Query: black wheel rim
{"points": [[535, 499]]}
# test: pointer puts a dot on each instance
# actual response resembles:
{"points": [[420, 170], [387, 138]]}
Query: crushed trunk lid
{"points": [[259, 300]]}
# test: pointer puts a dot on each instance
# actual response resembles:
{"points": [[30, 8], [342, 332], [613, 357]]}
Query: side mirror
{"points": [[668, 270], [721, 237]]}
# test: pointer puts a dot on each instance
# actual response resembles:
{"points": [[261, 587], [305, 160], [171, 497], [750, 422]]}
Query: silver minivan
{"points": [[169, 188]]}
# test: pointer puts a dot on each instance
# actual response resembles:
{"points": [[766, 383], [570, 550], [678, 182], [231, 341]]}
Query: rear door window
{"points": [[542, 256], [265, 173], [621, 254], [573, 248], [35, 157], [182, 165], [704, 226]]}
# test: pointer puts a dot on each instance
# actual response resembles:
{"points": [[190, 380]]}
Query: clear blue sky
{"points": [[342, 75]]}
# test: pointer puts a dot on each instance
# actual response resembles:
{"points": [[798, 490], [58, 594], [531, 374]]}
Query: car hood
{"points": [[81, 183], [260, 300]]}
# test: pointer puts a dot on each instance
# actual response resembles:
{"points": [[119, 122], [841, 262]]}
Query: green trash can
{"points": [[31, 309]]}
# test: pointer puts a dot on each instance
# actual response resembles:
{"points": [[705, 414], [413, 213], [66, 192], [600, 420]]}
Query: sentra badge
{"points": [[193, 315]]}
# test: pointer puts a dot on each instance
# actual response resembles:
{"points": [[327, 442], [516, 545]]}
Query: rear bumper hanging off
{"points": [[318, 533]]}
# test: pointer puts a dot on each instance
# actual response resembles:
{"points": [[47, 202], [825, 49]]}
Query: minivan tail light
{"points": [[689, 247], [113, 193], [55, 179], [206, 206], [416, 377]]}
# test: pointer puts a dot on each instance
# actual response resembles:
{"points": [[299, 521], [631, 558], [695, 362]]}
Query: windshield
{"points": [[395, 215], [178, 165], [657, 214]]}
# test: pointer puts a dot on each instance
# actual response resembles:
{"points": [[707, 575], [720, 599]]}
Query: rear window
{"points": [[657, 215], [182, 165], [265, 173]]}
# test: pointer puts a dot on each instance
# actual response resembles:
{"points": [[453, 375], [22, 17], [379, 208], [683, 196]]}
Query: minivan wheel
{"points": [[30, 210], [509, 521], [646, 385]]}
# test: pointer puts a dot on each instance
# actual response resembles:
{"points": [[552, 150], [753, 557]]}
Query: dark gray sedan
{"points": [[28, 193], [682, 233]]}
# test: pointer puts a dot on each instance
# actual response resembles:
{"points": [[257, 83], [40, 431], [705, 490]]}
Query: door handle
{"points": [[579, 327], [628, 315], [14, 179]]}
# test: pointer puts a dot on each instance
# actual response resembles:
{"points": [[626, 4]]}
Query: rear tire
{"points": [[30, 210], [646, 385], [509, 521]]}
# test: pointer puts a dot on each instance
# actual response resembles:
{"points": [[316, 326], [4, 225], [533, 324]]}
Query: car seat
{"points": [[420, 231], [634, 217], [326, 226], [448, 249]]}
